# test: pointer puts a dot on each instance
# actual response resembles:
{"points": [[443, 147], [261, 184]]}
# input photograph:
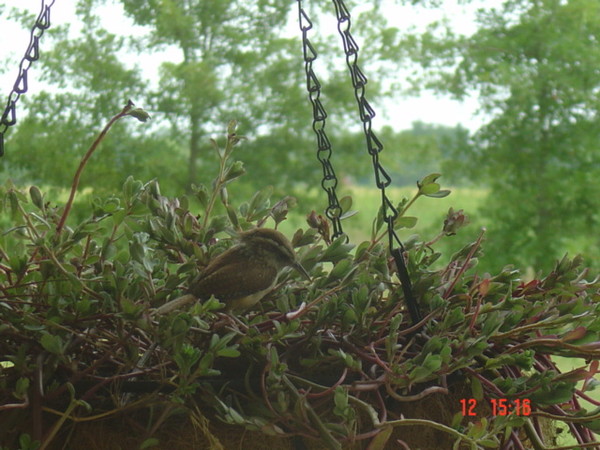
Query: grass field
{"points": [[431, 213], [367, 200]]}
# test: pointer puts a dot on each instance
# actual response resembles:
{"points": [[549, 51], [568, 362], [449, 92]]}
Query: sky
{"points": [[399, 114]]}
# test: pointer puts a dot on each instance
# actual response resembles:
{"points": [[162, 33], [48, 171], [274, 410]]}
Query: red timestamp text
{"points": [[500, 406]]}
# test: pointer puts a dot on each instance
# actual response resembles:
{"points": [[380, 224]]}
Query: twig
{"points": [[124, 112], [465, 265]]}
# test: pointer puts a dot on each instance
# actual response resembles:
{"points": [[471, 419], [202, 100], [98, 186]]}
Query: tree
{"points": [[411, 154], [534, 66], [89, 84], [234, 63], [234, 51]]}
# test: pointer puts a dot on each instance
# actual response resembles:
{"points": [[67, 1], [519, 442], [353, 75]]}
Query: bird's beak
{"points": [[302, 270]]}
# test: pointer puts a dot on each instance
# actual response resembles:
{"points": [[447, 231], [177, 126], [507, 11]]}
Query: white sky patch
{"points": [[399, 113]]}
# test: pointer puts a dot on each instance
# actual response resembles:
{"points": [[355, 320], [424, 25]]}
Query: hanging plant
{"points": [[335, 360]]}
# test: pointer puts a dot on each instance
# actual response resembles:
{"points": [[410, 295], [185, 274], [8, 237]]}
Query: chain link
{"points": [[9, 117], [374, 145], [313, 86]]}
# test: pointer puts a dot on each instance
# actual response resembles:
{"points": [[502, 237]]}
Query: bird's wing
{"points": [[234, 280]]}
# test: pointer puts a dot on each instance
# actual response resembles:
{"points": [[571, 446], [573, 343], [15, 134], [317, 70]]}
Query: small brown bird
{"points": [[243, 274]]}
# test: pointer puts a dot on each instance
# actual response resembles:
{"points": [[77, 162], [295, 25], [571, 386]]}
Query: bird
{"points": [[243, 274]]}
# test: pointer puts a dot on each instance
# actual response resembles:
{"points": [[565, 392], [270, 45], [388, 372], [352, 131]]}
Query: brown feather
{"points": [[238, 280], [243, 274], [230, 275]]}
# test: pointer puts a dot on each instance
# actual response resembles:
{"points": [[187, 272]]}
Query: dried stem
{"points": [[124, 112]]}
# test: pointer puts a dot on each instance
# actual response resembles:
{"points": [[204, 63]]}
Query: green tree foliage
{"points": [[414, 153], [228, 59], [408, 154], [534, 67], [236, 64], [336, 361], [89, 83]]}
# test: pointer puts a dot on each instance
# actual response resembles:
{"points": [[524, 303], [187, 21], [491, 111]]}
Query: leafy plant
{"points": [[336, 360]]}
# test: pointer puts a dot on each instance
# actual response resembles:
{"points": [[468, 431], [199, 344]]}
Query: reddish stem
{"points": [[84, 161]]}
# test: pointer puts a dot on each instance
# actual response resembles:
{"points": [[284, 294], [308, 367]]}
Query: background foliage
{"points": [[335, 360], [532, 65]]}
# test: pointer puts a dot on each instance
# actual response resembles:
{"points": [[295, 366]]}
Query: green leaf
{"points": [[129, 309], [340, 270], [377, 223], [150, 442], [337, 251], [139, 114], [348, 214], [476, 388], [259, 203], [18, 264], [554, 394], [111, 204], [232, 214], [455, 317], [26, 443], [477, 429], [22, 387], [229, 352], [440, 194], [202, 195], [13, 199], [36, 197], [52, 343], [236, 170], [428, 179], [381, 439], [429, 189], [492, 323], [218, 223], [456, 420], [432, 362], [419, 374], [405, 222], [489, 443]]}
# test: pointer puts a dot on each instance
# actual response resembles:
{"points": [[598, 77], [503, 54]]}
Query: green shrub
{"points": [[335, 360]]}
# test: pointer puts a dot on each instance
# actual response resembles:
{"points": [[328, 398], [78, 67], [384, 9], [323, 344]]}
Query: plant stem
{"points": [[84, 161], [216, 187]]}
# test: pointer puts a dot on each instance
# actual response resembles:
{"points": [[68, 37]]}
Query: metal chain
{"points": [[313, 86], [374, 145], [9, 117]]}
